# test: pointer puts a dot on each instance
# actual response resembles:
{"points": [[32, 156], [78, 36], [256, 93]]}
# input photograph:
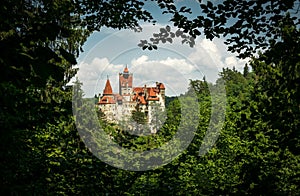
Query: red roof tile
{"points": [[138, 89], [142, 100], [107, 90], [153, 99], [151, 92], [107, 100], [162, 86], [126, 70]]}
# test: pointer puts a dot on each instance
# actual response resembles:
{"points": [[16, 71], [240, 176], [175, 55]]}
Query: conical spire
{"points": [[107, 90], [126, 69]]}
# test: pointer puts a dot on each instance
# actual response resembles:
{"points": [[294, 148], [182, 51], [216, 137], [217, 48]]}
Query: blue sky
{"points": [[107, 52]]}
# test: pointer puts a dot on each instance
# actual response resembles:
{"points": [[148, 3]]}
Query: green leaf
{"points": [[68, 56]]}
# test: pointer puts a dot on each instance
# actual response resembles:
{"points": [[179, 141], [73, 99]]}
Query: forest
{"points": [[257, 151]]}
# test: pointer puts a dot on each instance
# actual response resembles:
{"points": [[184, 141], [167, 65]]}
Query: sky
{"points": [[106, 53]]}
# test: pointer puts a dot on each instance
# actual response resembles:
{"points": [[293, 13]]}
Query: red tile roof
{"points": [[107, 90], [153, 99], [138, 89], [126, 70], [161, 86], [107, 100], [142, 100], [151, 92]]}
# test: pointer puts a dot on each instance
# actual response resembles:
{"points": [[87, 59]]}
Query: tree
{"points": [[246, 70], [278, 73], [139, 116], [247, 25], [271, 119], [158, 116], [200, 87], [39, 43]]}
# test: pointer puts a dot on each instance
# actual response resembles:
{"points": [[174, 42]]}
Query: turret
{"points": [[125, 82], [107, 90]]}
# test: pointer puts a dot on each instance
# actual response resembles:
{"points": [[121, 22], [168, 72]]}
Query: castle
{"points": [[120, 106]]}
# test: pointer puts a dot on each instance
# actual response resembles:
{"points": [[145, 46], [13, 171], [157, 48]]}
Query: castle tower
{"points": [[107, 90], [162, 91], [125, 82], [108, 96]]}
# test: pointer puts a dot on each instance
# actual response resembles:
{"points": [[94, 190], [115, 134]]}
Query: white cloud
{"points": [[90, 74], [231, 61], [173, 72], [213, 55], [180, 64], [140, 60]]}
